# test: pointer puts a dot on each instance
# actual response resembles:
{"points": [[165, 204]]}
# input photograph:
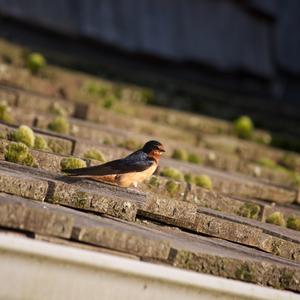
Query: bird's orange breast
{"points": [[133, 178], [126, 179]]}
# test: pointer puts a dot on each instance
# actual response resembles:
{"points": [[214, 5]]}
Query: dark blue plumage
{"points": [[137, 161]]}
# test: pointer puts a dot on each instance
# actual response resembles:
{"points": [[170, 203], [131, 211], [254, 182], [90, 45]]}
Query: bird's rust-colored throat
{"points": [[155, 154]]}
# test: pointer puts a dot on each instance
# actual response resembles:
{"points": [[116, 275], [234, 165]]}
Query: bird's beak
{"points": [[161, 148]]}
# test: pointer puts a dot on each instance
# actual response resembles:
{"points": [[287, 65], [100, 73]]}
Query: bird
{"points": [[127, 171]]}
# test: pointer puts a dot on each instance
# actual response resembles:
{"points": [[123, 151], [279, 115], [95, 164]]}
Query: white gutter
{"points": [[31, 269]]}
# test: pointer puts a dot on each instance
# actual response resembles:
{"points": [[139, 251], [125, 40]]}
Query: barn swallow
{"points": [[128, 171]]}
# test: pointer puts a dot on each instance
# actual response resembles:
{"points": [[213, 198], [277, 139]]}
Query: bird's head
{"points": [[153, 149]]}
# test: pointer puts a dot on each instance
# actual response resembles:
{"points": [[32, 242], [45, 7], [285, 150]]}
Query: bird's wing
{"points": [[133, 163]]}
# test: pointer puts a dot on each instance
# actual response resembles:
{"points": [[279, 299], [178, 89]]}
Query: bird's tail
{"points": [[94, 170], [77, 172]]}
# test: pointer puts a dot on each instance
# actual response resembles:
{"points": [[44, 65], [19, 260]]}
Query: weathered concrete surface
{"points": [[164, 187], [156, 185], [216, 159], [281, 242], [23, 117], [57, 143], [60, 241], [281, 232], [48, 219], [286, 211], [38, 102], [109, 152], [81, 194], [57, 221], [101, 134], [264, 273], [9, 97], [178, 190], [145, 127], [159, 243], [244, 149], [237, 184], [224, 229], [43, 160], [69, 195], [121, 236], [278, 241], [22, 214], [231, 260], [179, 213], [47, 161], [162, 115], [22, 185], [3, 144], [171, 203], [218, 201], [189, 251], [182, 120], [23, 78], [282, 178]]}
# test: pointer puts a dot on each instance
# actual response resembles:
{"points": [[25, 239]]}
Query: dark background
{"points": [[223, 58], [259, 39]]}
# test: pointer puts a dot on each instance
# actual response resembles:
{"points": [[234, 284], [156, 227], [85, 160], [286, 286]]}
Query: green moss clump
{"points": [[172, 173], [58, 146], [25, 135], [245, 273], [81, 199], [180, 154], [72, 163], [117, 91], [289, 161], [57, 109], [267, 162], [154, 181], [60, 125], [276, 218], [295, 176], [293, 223], [243, 127], [107, 141], [147, 96], [97, 89], [108, 102], [189, 178], [16, 152], [19, 153], [35, 62], [5, 112], [30, 161], [194, 158], [203, 181], [265, 138], [287, 278], [249, 210], [40, 143], [172, 187], [94, 154]]}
